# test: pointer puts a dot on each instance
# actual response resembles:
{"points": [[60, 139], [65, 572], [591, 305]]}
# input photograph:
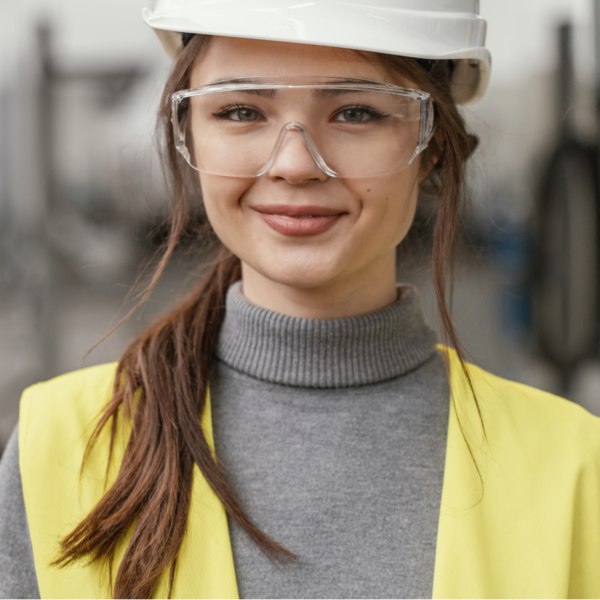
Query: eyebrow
{"points": [[269, 93], [264, 93], [235, 80], [338, 92], [321, 92]]}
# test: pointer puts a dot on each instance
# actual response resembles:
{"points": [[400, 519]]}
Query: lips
{"points": [[294, 220]]}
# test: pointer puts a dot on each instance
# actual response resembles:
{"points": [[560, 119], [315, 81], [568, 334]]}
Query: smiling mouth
{"points": [[291, 220]]}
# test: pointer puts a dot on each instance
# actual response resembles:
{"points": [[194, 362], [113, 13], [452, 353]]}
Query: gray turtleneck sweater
{"points": [[333, 433]]}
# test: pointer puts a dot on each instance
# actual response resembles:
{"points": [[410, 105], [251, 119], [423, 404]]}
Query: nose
{"points": [[294, 162]]}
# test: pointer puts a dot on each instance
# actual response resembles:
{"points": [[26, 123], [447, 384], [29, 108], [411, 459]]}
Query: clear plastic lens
{"points": [[351, 129]]}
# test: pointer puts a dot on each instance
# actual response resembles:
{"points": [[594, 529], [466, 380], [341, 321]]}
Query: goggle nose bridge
{"points": [[309, 142]]}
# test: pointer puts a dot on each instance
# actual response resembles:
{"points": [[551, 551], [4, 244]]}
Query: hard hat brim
{"points": [[391, 31]]}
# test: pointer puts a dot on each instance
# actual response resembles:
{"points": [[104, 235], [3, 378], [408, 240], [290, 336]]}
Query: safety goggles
{"points": [[352, 128]]}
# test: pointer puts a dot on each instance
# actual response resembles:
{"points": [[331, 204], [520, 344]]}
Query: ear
{"points": [[432, 155]]}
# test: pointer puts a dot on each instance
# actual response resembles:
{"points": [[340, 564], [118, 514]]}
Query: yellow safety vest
{"points": [[533, 532]]}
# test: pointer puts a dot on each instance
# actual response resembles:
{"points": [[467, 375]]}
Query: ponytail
{"points": [[161, 382]]}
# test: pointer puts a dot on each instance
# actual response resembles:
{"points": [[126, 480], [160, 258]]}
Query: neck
{"points": [[370, 289]]}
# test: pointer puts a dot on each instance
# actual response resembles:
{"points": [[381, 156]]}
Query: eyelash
{"points": [[373, 113], [229, 109]]}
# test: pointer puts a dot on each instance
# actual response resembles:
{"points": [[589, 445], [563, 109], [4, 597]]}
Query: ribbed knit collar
{"points": [[324, 353]]}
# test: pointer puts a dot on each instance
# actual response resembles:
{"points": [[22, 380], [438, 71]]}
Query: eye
{"points": [[357, 114], [244, 114]]}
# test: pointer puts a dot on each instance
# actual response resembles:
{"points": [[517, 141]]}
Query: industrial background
{"points": [[82, 199]]}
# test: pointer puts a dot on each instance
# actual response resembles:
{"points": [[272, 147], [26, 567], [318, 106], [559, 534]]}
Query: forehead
{"points": [[233, 58]]}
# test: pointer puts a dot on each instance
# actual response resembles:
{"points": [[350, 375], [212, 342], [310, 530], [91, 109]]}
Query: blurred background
{"points": [[82, 199]]}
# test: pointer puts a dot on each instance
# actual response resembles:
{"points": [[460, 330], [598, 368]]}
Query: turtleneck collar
{"points": [[324, 353]]}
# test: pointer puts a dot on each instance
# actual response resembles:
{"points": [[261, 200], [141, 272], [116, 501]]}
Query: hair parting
{"points": [[161, 382]]}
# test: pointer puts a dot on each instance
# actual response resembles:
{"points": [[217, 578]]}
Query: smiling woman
{"points": [[292, 429], [301, 155]]}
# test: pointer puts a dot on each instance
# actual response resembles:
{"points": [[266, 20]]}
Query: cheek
{"points": [[222, 202], [389, 205]]}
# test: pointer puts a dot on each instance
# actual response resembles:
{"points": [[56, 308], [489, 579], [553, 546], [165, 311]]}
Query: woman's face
{"points": [[356, 224]]}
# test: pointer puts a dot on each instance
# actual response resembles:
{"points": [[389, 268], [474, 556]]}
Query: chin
{"points": [[301, 280], [302, 275]]}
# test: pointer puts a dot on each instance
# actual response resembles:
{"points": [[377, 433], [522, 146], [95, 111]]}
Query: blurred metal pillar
{"points": [[597, 48], [566, 79], [45, 300], [597, 148], [566, 271], [113, 86]]}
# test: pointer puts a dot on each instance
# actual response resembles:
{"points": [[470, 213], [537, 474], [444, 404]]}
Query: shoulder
{"points": [[65, 405], [524, 496], [527, 421], [85, 388], [534, 409], [77, 381]]}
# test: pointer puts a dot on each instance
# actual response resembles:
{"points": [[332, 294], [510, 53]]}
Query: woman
{"points": [[337, 467]]}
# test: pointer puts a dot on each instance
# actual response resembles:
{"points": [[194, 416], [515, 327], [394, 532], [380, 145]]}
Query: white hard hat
{"points": [[430, 29]]}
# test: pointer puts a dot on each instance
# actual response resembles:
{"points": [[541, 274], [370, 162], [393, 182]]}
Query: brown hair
{"points": [[161, 380]]}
